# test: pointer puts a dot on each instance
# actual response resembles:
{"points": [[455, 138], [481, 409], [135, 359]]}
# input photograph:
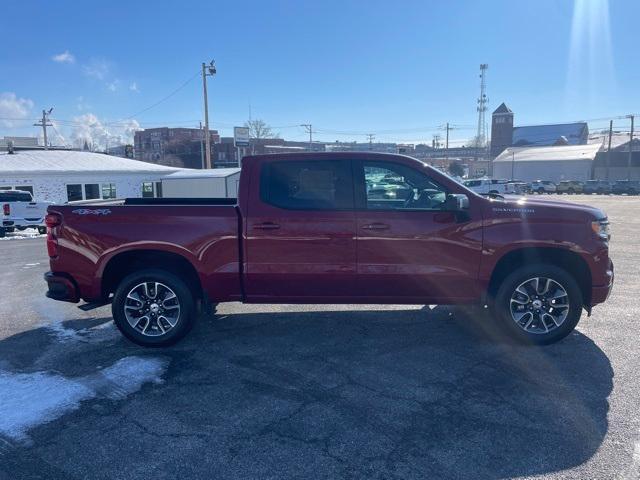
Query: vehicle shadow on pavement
{"points": [[365, 394]]}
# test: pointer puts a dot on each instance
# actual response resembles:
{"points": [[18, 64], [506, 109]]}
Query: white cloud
{"points": [[134, 87], [97, 68], [99, 134], [64, 57], [113, 86], [13, 109]]}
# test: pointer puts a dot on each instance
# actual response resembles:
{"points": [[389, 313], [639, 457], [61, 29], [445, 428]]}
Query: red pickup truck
{"points": [[332, 228]]}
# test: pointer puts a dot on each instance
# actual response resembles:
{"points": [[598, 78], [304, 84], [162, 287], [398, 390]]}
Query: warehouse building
{"points": [[61, 176], [554, 163]]}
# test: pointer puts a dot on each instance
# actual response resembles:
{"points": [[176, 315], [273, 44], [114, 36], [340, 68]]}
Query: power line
{"points": [[163, 99]]}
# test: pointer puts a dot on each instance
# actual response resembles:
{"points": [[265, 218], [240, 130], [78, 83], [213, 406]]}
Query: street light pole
{"points": [[207, 70], [630, 149]]}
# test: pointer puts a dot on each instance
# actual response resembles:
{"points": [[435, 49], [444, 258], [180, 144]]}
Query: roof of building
{"points": [[548, 154], [73, 161], [548, 134], [213, 173], [619, 141], [502, 109]]}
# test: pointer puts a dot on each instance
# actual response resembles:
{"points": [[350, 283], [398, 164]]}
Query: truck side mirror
{"points": [[457, 202]]}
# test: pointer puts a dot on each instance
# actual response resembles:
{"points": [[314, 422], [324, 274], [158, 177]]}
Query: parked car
{"points": [[600, 187], [630, 187], [518, 188], [543, 186], [304, 230], [489, 185], [570, 187], [21, 212]]}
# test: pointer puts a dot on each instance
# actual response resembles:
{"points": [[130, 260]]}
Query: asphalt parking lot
{"points": [[318, 391]]}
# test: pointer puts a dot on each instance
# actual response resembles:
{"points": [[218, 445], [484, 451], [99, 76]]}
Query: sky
{"points": [[399, 70]]}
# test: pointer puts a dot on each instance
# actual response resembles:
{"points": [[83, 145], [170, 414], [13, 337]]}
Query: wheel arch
{"points": [[569, 261], [130, 261]]}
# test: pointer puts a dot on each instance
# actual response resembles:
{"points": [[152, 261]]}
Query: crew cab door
{"points": [[300, 232], [409, 247]]}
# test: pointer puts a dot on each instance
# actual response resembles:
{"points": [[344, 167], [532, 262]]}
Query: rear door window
{"points": [[15, 197], [308, 185]]}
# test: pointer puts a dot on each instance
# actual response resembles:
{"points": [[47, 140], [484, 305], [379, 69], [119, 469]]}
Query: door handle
{"points": [[266, 226], [376, 226]]}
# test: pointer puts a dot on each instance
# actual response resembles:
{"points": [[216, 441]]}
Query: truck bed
{"points": [[203, 231]]}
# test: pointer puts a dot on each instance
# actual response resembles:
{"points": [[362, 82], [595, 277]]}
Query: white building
{"points": [[554, 163], [61, 176]]}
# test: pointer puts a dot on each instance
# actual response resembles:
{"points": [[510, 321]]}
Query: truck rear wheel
{"points": [[153, 308], [538, 304]]}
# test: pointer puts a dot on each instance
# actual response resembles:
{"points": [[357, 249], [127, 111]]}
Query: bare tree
{"points": [[260, 129]]}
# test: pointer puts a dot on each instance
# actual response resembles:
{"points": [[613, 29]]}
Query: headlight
{"points": [[601, 228]]}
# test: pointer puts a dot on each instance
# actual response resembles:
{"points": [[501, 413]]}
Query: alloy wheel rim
{"points": [[152, 308], [539, 305]]}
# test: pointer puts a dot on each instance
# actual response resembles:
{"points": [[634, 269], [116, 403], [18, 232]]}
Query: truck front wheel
{"points": [[539, 304], [153, 308]]}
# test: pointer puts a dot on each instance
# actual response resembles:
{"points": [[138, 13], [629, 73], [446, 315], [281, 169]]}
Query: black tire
{"points": [[2, 232], [21, 229], [9, 229], [185, 318], [540, 191], [571, 191], [501, 305], [42, 230]]}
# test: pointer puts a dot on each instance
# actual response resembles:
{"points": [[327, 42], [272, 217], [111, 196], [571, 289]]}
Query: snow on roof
{"points": [[548, 134], [73, 161], [213, 173], [548, 154]]}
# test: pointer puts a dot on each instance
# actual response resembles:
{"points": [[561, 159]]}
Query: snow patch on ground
{"points": [[29, 233], [31, 399]]}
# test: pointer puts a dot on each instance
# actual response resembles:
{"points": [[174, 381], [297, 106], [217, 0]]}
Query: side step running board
{"points": [[90, 306]]}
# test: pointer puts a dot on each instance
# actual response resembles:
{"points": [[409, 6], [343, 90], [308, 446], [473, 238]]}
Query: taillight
{"points": [[6, 209], [52, 220]]}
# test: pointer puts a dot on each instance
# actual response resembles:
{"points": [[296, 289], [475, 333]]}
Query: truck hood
{"points": [[545, 207]]}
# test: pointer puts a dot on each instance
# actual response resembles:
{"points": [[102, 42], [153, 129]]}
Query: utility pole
{"points": [[207, 71], [630, 149], [609, 151], [201, 147], [44, 123], [447, 128], [513, 163], [436, 141], [309, 129], [371, 136]]}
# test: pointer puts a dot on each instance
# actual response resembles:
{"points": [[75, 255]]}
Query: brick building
{"points": [[175, 147]]}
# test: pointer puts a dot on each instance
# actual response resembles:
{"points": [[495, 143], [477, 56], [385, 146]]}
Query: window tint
{"points": [[308, 185], [91, 191], [108, 190], [397, 187], [74, 192]]}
